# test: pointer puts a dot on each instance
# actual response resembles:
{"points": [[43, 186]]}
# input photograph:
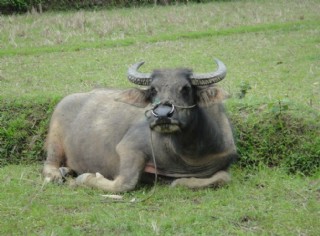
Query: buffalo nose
{"points": [[163, 110]]}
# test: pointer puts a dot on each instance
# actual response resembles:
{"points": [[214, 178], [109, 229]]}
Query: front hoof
{"points": [[82, 179], [53, 176]]}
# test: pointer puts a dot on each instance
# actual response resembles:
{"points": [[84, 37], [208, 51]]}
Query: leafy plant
{"points": [[244, 88], [279, 106]]}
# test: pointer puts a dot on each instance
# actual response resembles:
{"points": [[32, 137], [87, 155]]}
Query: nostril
{"points": [[163, 110]]}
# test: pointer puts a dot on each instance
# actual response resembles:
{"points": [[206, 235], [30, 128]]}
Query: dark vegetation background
{"points": [[21, 6]]}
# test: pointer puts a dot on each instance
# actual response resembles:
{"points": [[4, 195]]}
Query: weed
{"points": [[244, 87], [279, 107]]}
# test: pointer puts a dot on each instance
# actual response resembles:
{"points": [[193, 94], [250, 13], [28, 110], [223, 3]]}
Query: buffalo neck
{"points": [[199, 138]]}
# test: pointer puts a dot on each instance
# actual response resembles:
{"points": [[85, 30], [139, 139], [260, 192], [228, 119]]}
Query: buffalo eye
{"points": [[186, 91], [153, 92]]}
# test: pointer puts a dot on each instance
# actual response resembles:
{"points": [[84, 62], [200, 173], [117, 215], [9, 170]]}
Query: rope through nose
{"points": [[186, 107], [159, 103]]}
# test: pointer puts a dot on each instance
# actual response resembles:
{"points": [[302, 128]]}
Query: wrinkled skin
{"points": [[105, 136]]}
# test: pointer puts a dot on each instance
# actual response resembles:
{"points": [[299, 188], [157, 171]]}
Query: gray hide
{"points": [[105, 135]]}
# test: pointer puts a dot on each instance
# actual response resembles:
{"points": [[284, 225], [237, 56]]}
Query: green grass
{"points": [[271, 49], [266, 202], [288, 26], [285, 57]]}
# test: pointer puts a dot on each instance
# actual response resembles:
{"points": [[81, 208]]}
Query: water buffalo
{"points": [[176, 126]]}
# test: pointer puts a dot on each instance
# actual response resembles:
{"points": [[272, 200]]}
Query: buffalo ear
{"points": [[208, 96], [134, 96]]}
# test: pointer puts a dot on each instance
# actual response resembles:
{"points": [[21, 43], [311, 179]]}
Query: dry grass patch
{"points": [[48, 29]]}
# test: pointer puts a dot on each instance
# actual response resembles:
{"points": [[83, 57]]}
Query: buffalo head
{"points": [[175, 95]]}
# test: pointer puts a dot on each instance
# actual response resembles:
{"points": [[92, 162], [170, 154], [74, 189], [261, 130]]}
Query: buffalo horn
{"points": [[136, 77], [211, 77]]}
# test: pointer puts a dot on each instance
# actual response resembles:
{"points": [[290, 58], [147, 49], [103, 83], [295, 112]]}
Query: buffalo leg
{"points": [[132, 163], [218, 179], [100, 182], [121, 183], [55, 156]]}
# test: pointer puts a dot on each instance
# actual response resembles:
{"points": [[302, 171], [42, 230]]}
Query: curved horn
{"points": [[136, 77], [211, 77]]}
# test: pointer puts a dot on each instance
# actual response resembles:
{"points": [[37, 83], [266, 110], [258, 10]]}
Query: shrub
{"points": [[11, 6], [21, 6]]}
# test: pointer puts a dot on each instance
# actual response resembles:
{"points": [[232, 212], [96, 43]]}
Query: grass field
{"points": [[272, 52], [267, 202]]}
